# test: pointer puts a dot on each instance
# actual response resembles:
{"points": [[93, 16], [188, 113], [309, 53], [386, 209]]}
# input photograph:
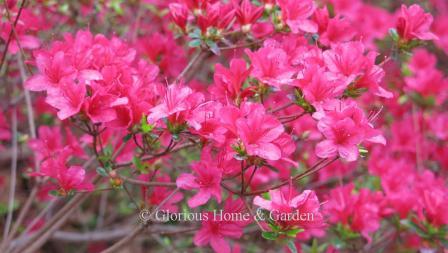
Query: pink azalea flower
{"points": [[246, 13], [346, 60], [53, 68], [414, 23], [361, 212], [48, 143], [297, 14], [318, 85], [257, 133], [100, 107], [215, 231], [334, 30], [305, 203], [434, 200], [228, 82], [343, 129], [67, 98], [270, 66], [177, 99], [68, 178], [440, 28], [179, 14], [207, 180], [5, 134], [160, 193]]}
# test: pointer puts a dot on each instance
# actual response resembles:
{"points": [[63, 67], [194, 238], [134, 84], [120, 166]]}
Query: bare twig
{"points": [[13, 179], [145, 183], [190, 64], [138, 229], [5, 50], [146, 158]]}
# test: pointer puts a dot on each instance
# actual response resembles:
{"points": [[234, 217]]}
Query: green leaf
{"points": [[196, 34], [146, 128], [414, 226], [54, 193], [403, 99], [293, 232], [4, 207], [127, 137], [102, 172], [393, 34], [141, 167], [108, 150], [269, 235], [194, 43], [292, 246], [213, 47]]}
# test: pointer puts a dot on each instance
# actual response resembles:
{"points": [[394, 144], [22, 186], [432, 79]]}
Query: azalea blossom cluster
{"points": [[330, 108]]}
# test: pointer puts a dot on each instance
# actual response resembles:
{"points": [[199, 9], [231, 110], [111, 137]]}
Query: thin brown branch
{"points": [[8, 41], [190, 64], [13, 179]]}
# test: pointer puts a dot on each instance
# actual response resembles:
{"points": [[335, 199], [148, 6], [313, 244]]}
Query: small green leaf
{"points": [[146, 128], [293, 232], [194, 43], [269, 235], [403, 99], [54, 193], [108, 151], [292, 246], [213, 47], [196, 34], [141, 167], [393, 34], [102, 172], [127, 137]]}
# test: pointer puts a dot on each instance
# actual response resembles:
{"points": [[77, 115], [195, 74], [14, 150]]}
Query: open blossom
{"points": [[179, 14], [68, 178], [333, 30], [253, 132], [344, 129], [229, 82], [360, 212], [215, 231], [206, 180], [5, 134], [319, 85], [297, 14], [259, 141], [350, 63], [246, 13], [29, 22], [160, 193], [176, 100], [284, 204], [68, 98], [95, 76], [270, 66], [426, 79], [414, 23]]}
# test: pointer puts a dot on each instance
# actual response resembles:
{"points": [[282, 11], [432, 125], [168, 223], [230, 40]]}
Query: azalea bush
{"points": [[224, 126]]}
